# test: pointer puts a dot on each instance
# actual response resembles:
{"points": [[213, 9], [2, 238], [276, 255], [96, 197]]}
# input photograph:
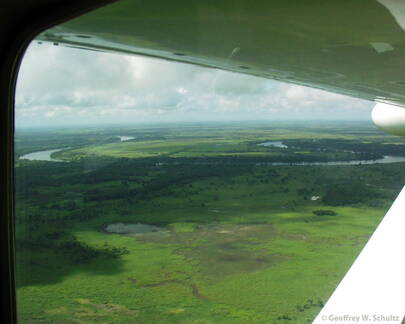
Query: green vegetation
{"points": [[235, 238], [324, 212]]}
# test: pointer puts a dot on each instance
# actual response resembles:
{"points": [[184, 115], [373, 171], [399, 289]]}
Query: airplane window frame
{"points": [[12, 56], [22, 22]]}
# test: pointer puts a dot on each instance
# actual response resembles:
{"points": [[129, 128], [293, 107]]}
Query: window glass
{"points": [[150, 191]]}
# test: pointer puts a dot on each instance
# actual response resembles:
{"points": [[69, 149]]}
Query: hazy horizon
{"points": [[152, 124]]}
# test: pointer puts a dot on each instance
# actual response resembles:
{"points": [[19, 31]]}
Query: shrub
{"points": [[324, 212]]}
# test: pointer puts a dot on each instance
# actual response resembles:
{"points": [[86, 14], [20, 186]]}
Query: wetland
{"points": [[214, 223]]}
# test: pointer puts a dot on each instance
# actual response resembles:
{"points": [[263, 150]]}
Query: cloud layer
{"points": [[60, 85]]}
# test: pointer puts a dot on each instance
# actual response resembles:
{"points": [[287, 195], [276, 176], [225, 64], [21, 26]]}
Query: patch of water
{"points": [[278, 144], [385, 159], [139, 228], [125, 138], [42, 155]]}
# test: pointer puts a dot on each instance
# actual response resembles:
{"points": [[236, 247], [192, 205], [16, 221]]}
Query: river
{"points": [[46, 156], [42, 155], [386, 159]]}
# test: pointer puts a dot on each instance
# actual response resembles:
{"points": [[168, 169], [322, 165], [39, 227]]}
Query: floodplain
{"points": [[196, 222]]}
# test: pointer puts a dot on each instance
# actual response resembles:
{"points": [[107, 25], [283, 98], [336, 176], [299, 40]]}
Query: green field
{"points": [[236, 238]]}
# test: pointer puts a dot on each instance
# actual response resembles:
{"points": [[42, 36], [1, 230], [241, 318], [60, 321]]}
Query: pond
{"points": [[125, 138], [278, 144], [139, 228]]}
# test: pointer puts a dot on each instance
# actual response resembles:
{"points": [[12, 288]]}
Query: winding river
{"points": [[46, 155], [386, 159]]}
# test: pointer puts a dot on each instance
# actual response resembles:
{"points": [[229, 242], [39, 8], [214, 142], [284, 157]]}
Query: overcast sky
{"points": [[61, 86]]}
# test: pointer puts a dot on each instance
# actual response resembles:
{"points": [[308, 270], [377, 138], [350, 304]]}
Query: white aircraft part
{"points": [[373, 290], [382, 47], [397, 10], [389, 118]]}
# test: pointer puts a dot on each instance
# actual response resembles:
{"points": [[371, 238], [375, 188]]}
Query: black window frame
{"points": [[21, 21]]}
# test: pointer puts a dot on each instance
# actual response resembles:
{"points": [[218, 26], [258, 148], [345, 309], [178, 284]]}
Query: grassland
{"points": [[238, 242], [229, 141]]}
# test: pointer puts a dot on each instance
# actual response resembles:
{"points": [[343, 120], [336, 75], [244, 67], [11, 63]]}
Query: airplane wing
{"points": [[373, 288], [351, 47]]}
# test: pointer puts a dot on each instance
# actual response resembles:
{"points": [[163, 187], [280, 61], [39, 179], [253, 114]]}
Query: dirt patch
{"points": [[109, 308], [194, 288], [216, 262], [218, 250], [221, 250], [215, 233]]}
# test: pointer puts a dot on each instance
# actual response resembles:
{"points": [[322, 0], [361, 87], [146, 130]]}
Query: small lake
{"points": [[125, 138], [278, 144], [139, 228], [42, 155]]}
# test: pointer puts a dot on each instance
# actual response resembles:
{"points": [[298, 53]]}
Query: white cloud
{"points": [[61, 85]]}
